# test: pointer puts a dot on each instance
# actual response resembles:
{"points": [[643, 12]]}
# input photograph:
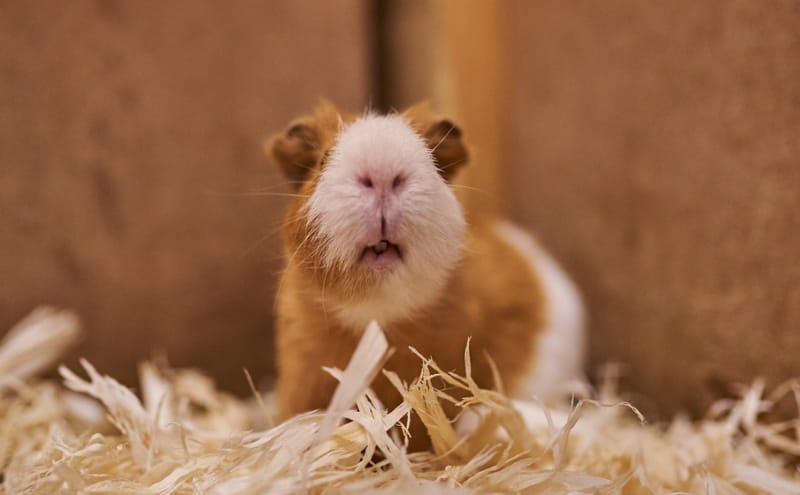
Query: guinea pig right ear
{"points": [[299, 149], [442, 136]]}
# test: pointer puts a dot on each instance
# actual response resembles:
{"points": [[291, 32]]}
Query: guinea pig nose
{"points": [[366, 181], [395, 183], [398, 181]]}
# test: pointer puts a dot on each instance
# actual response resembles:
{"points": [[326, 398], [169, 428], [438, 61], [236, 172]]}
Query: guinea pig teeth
{"points": [[381, 247]]}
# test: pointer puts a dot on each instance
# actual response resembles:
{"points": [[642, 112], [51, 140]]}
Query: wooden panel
{"points": [[656, 149], [128, 132], [473, 87], [451, 53]]}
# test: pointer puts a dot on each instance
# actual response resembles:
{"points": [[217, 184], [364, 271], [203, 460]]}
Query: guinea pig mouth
{"points": [[383, 251]]}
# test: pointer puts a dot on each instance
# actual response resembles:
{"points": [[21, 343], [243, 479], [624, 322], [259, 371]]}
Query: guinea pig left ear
{"points": [[444, 139]]}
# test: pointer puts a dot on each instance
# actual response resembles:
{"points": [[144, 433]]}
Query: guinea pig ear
{"points": [[444, 139], [295, 151], [299, 149]]}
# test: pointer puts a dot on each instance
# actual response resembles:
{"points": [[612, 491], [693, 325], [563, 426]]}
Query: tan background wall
{"points": [[128, 131], [656, 148]]}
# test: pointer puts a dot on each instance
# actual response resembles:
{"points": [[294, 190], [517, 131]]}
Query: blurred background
{"points": [[654, 147]]}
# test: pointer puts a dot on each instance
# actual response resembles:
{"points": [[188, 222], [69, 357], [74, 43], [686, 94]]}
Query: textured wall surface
{"points": [[656, 148], [130, 133]]}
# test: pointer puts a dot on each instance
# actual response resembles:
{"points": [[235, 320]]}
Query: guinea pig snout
{"points": [[382, 183], [382, 205], [382, 222]]}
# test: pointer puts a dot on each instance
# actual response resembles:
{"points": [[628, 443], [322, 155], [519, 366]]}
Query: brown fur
{"points": [[491, 297], [299, 150], [443, 138]]}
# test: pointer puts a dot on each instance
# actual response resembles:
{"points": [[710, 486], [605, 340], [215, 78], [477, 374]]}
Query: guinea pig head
{"points": [[375, 224]]}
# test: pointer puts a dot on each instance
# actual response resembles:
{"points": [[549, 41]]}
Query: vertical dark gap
{"points": [[379, 54]]}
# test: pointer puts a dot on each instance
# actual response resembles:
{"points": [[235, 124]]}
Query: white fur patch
{"points": [[424, 216], [561, 347]]}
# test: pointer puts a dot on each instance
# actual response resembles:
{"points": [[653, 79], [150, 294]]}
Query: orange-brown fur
{"points": [[491, 297]]}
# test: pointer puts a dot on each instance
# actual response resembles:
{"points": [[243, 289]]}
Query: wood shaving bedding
{"points": [[183, 436]]}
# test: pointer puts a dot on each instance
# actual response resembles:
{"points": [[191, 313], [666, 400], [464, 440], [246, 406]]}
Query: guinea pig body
{"points": [[376, 233]]}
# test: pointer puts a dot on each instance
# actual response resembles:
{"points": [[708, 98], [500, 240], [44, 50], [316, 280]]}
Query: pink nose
{"points": [[394, 184]]}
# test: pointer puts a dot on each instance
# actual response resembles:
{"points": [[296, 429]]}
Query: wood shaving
{"points": [[183, 436]]}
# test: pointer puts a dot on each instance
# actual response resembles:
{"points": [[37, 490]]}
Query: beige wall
{"points": [[128, 132], [656, 148]]}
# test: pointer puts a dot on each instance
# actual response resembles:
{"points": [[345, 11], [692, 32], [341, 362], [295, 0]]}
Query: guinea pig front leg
{"points": [[302, 383]]}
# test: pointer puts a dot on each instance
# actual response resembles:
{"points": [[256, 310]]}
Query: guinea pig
{"points": [[375, 232]]}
